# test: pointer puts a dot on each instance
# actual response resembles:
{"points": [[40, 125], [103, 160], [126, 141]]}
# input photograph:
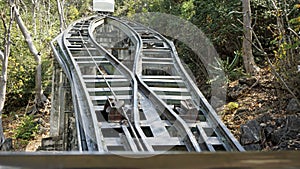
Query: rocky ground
{"points": [[262, 114]]}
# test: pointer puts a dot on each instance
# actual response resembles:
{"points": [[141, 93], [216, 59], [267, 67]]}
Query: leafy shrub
{"points": [[27, 129], [232, 69]]}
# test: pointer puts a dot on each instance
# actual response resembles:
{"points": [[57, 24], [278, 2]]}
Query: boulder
{"points": [[251, 133], [293, 123], [293, 106], [7, 145]]}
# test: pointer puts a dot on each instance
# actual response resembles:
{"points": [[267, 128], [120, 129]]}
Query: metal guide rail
{"points": [[131, 93]]}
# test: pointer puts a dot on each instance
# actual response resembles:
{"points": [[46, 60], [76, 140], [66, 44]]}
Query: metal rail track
{"points": [[131, 93]]}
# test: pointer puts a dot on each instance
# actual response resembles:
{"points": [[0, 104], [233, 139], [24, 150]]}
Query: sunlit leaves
{"points": [[73, 12], [21, 72], [188, 9], [296, 23]]}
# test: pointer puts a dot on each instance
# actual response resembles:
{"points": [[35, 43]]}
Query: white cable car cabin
{"points": [[104, 6]]}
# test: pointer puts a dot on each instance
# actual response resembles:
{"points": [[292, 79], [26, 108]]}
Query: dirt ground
{"points": [[260, 104], [14, 120]]}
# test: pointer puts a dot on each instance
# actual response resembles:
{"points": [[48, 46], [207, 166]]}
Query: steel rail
{"points": [[129, 74], [178, 122], [230, 143], [89, 122], [67, 71], [94, 61], [89, 129], [217, 124]]}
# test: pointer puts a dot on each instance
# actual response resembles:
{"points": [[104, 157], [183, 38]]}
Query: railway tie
{"points": [[131, 93]]}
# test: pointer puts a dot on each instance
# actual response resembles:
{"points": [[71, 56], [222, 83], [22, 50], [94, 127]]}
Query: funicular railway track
{"points": [[131, 93]]}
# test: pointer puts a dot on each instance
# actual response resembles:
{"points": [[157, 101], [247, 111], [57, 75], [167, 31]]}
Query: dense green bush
{"points": [[27, 129]]}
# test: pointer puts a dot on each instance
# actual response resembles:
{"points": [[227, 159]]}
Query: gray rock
{"points": [[250, 133], [277, 136], [216, 102], [234, 92], [7, 145], [293, 123], [253, 147], [268, 131], [288, 131], [264, 118], [293, 107]]}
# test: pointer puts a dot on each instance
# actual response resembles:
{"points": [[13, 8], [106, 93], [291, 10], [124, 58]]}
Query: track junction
{"points": [[129, 92]]}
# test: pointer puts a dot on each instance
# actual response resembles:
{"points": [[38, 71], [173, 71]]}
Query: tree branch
{"points": [[36, 54], [261, 49], [4, 67], [294, 32], [26, 35], [60, 6], [235, 12], [1, 56]]}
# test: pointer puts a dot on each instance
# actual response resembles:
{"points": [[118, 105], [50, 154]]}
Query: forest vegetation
{"points": [[259, 45]]}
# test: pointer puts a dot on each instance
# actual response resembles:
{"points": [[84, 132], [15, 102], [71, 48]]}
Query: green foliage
{"points": [[213, 17], [73, 13], [27, 129], [233, 69], [21, 73], [232, 106], [131, 7], [47, 75], [21, 66], [21, 70], [77, 9], [193, 62], [296, 23], [230, 66], [217, 19], [188, 9]]}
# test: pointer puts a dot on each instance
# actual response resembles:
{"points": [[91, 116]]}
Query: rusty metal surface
{"points": [[249, 160]]}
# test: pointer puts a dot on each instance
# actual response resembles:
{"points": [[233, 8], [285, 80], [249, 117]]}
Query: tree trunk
{"points": [[34, 7], [3, 82], [3, 77], [1, 56], [38, 79], [60, 6], [248, 57], [49, 15]]}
